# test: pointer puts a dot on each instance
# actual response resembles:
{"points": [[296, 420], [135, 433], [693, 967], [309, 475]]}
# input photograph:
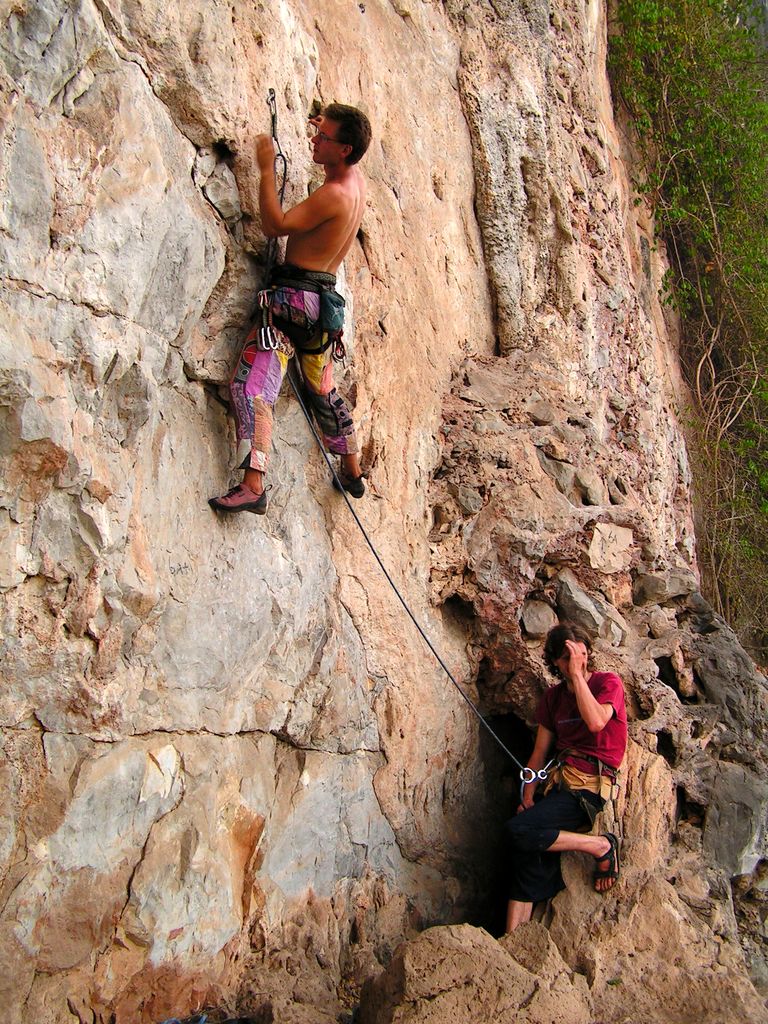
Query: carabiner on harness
{"points": [[267, 339], [264, 336], [529, 775]]}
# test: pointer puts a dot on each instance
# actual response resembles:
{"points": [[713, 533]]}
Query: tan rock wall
{"points": [[230, 767]]}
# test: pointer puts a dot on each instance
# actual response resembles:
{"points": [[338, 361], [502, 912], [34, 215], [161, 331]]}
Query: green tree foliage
{"points": [[692, 74]]}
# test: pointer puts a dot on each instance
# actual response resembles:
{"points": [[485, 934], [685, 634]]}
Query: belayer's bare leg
{"points": [[518, 913], [599, 847], [602, 848]]}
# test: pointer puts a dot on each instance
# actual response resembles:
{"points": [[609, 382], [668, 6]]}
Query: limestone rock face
{"points": [[233, 776]]}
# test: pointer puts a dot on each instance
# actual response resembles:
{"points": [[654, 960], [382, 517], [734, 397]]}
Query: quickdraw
{"points": [[266, 338], [280, 162]]}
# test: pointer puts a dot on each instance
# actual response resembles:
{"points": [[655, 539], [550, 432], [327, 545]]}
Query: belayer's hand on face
{"points": [[575, 654]]}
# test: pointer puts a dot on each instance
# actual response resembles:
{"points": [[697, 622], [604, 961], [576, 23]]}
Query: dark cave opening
{"points": [[668, 676], [667, 672], [665, 745], [459, 610], [688, 810], [224, 151], [503, 788]]}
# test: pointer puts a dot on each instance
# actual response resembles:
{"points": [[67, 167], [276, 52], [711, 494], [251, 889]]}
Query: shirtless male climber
{"points": [[300, 309], [585, 720]]}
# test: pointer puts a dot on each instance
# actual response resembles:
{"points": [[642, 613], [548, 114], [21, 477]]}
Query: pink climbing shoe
{"points": [[241, 499]]}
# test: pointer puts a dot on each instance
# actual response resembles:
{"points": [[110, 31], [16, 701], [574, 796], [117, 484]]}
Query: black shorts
{"points": [[534, 872]]}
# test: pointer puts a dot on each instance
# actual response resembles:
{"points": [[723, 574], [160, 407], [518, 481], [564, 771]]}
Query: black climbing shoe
{"points": [[354, 485]]}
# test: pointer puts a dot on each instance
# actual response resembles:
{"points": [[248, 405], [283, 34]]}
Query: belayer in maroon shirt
{"points": [[582, 723]]}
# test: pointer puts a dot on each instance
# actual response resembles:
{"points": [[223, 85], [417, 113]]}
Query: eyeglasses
{"points": [[327, 138]]}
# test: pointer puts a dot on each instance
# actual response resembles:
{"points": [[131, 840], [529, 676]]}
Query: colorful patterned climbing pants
{"points": [[259, 376]]}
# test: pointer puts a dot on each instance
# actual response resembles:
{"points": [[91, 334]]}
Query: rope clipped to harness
{"points": [[393, 585], [529, 775]]}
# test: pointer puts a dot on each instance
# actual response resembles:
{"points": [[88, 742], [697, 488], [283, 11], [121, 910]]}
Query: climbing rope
{"points": [[527, 775]]}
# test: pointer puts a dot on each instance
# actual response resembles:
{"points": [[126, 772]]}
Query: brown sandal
{"points": [[612, 856]]}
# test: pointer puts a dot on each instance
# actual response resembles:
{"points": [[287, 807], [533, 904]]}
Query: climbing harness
{"points": [[326, 327], [604, 771], [524, 771]]}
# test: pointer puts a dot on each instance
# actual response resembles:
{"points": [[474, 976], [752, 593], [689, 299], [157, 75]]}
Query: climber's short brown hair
{"points": [[354, 128]]}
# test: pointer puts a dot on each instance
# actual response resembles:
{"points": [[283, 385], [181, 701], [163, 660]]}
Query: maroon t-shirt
{"points": [[559, 713]]}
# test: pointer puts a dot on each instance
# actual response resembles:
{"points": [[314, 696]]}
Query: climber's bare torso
{"points": [[321, 229]]}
